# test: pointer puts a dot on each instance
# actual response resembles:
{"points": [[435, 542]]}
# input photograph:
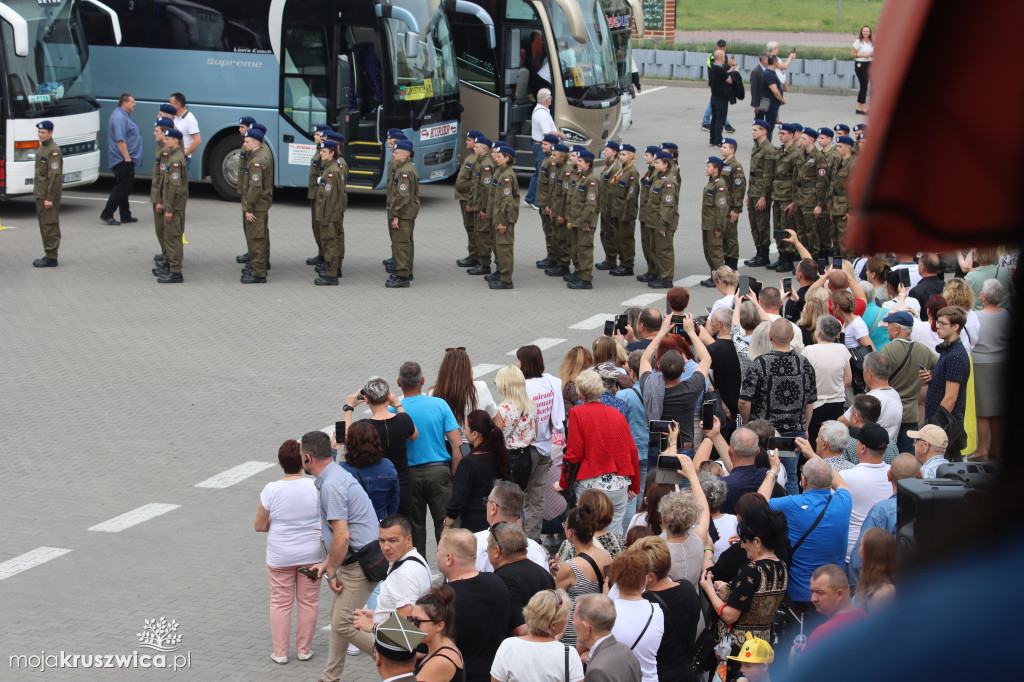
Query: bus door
{"points": [[361, 103]]}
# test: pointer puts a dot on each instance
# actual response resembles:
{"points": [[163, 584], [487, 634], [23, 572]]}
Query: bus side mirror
{"points": [[412, 44]]}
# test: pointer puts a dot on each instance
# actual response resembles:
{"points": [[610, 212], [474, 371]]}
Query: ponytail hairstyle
{"points": [[764, 523], [582, 521], [439, 603], [494, 439]]}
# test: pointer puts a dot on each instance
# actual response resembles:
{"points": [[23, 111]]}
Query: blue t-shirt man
{"points": [[433, 419], [121, 128], [826, 544]]}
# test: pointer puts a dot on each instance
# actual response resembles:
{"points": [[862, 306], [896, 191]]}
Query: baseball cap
{"points": [[900, 317], [931, 434], [872, 436]]}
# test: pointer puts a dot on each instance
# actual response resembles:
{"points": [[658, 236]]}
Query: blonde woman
{"points": [[540, 655], [517, 419], [813, 309], [576, 360]]}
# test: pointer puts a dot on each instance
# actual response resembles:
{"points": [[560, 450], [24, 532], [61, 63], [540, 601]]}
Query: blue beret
{"points": [[482, 139], [164, 122], [859, 127], [397, 136], [337, 137], [715, 160], [790, 127], [330, 144], [473, 133], [395, 132], [612, 144], [404, 145], [845, 139], [560, 148], [247, 121], [652, 149], [810, 132], [173, 132], [669, 145], [663, 155], [900, 317], [551, 138], [45, 125], [260, 127], [629, 148], [762, 123], [322, 129], [586, 154], [168, 109], [505, 149], [254, 133], [827, 132], [729, 140], [578, 148], [842, 126]]}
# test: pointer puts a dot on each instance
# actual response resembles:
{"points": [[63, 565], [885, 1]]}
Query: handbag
{"points": [[857, 356], [371, 560], [765, 104], [704, 657]]}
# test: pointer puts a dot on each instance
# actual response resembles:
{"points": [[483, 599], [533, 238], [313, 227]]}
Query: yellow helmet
{"points": [[755, 650]]}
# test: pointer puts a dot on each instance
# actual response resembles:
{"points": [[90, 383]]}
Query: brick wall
{"points": [[668, 31]]}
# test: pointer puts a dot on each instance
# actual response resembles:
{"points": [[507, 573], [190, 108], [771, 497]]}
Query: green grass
{"points": [[776, 15], [746, 48]]}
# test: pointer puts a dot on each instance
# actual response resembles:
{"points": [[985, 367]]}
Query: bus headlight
{"points": [[26, 150], [575, 136]]}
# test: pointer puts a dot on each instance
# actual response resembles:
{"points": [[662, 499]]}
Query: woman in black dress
{"points": [[476, 473]]}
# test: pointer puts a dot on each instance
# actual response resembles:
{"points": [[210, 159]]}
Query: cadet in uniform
{"points": [[570, 191], [824, 221], [809, 190], [735, 187], [244, 124], [837, 193], [173, 197], [463, 191], [256, 201], [545, 182], [782, 193], [646, 233], [504, 213], [315, 171], [402, 212], [561, 173], [478, 202], [673, 167], [582, 220], [714, 216], [625, 195], [609, 237], [329, 212], [48, 184], [663, 214], [163, 124], [759, 190], [394, 137]]}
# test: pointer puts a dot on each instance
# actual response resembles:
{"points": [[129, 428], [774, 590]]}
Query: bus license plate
{"points": [[72, 177], [436, 174]]}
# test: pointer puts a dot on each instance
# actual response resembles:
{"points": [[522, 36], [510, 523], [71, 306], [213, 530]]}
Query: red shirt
{"points": [[600, 440], [859, 306], [836, 622]]}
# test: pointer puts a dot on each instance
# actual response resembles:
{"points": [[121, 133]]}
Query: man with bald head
{"points": [[482, 608], [745, 476], [883, 513], [720, 80]]}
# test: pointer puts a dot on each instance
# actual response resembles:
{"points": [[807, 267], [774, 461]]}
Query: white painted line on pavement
{"points": [[480, 370], [76, 196], [23, 562], [135, 516], [642, 300], [592, 322], [690, 281], [226, 479], [647, 92], [542, 343]]}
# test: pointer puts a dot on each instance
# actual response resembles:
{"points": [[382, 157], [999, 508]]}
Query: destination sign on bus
{"points": [[434, 132], [621, 20]]}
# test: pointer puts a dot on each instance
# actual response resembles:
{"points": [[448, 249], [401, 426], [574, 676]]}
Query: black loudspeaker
{"points": [[927, 509]]}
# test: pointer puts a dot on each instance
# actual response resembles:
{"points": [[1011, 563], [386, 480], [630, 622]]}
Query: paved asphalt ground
{"points": [[119, 393]]}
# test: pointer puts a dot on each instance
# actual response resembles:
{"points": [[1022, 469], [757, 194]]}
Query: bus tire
{"points": [[223, 167]]}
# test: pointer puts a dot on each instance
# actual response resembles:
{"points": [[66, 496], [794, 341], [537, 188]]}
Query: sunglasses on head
{"points": [[449, 350]]}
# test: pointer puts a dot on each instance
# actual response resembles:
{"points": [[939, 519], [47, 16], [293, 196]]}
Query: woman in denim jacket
{"points": [[364, 459]]}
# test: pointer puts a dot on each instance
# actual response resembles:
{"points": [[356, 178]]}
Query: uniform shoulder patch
{"points": [[739, 181], [591, 196], [668, 198], [821, 171]]}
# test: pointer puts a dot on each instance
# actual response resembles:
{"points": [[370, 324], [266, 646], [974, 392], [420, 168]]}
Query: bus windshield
{"points": [[588, 69], [54, 70], [619, 16], [431, 72]]}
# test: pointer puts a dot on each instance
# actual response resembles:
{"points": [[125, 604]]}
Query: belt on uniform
{"points": [[428, 464]]}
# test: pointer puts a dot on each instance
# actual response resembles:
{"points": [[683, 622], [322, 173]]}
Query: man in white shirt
{"points": [[770, 300], [188, 125], [930, 445], [541, 124], [869, 480], [505, 503], [408, 577], [877, 369], [907, 263]]}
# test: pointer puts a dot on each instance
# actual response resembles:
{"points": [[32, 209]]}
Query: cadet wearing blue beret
{"points": [[763, 158], [714, 216], [403, 207], [609, 238], [735, 181], [838, 188], [48, 184], [463, 192]]}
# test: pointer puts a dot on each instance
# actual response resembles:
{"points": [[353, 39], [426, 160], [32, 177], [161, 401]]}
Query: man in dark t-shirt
{"points": [[506, 548], [947, 383], [725, 365]]}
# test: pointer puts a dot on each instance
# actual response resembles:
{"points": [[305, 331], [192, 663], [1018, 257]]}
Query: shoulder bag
{"points": [[906, 359]]}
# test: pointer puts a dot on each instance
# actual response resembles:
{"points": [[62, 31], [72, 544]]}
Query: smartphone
{"points": [[822, 265], [782, 443], [787, 285], [677, 324], [609, 327], [308, 573], [780, 234], [707, 415], [923, 369], [659, 425], [339, 432], [620, 323], [842, 338], [837, 262], [904, 277], [465, 449], [756, 286], [744, 285], [668, 472], [362, 394], [708, 308]]}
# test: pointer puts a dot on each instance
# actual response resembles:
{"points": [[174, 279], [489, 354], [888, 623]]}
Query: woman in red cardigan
{"points": [[599, 444]]}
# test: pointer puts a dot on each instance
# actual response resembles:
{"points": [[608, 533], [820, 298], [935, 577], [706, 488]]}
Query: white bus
{"points": [[45, 76]]}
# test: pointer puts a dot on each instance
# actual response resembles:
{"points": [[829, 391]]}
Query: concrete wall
{"points": [[829, 73]]}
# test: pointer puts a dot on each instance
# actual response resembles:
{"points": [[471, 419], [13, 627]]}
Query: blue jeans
{"points": [[538, 159], [632, 505], [706, 121], [619, 500], [905, 443], [793, 466]]}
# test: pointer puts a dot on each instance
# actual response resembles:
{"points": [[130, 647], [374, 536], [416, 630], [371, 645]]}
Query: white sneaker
{"points": [[306, 657], [279, 659], [353, 650]]}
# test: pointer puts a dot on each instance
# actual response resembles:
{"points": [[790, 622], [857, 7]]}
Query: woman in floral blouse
{"points": [[517, 418]]}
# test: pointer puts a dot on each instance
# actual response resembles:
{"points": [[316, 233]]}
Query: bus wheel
{"points": [[224, 167]]}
